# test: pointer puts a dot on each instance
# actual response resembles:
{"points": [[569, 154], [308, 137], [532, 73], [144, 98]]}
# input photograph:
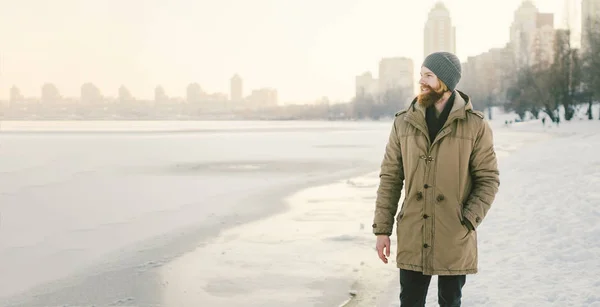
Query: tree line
{"points": [[541, 85]]}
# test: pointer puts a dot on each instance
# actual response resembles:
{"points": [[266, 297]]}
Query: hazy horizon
{"points": [[304, 49]]}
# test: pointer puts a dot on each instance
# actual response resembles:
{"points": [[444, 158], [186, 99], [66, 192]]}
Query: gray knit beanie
{"points": [[446, 66]]}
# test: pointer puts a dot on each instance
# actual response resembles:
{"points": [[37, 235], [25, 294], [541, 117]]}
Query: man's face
{"points": [[431, 89]]}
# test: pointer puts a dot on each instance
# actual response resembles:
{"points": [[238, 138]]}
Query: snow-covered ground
{"points": [[538, 247], [314, 254]]}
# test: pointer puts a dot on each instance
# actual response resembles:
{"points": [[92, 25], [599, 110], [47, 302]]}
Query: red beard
{"points": [[430, 97]]}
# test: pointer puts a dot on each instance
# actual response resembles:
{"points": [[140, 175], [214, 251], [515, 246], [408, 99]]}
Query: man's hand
{"points": [[383, 242]]}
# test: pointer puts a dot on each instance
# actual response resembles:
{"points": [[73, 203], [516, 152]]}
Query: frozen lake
{"points": [[114, 195]]}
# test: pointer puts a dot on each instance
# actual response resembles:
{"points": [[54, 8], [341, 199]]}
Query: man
{"points": [[441, 151]]}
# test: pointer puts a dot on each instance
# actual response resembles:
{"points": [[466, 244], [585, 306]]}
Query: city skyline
{"points": [[303, 61], [236, 91]]}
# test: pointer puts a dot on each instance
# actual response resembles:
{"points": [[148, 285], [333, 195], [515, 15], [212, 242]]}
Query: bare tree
{"points": [[565, 76]]}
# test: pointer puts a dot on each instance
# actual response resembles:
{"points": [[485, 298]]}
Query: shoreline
{"points": [[290, 281], [142, 260]]}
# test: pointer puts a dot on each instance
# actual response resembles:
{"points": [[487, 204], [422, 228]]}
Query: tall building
{"points": [[125, 95], [440, 35], [590, 12], [522, 32], [193, 93], [15, 96], [160, 96], [366, 85], [396, 73], [236, 88], [50, 94], [488, 75], [90, 94], [542, 45]]}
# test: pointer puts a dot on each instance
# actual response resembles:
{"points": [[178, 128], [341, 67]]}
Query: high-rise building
{"points": [[50, 94], [90, 94], [544, 36], [590, 19], [522, 32], [440, 35], [125, 96], [366, 85], [193, 93], [236, 88], [15, 96], [396, 74], [160, 96]]}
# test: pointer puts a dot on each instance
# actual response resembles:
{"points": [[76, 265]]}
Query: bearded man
{"points": [[441, 152]]}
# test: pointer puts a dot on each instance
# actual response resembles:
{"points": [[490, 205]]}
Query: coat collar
{"points": [[462, 103]]}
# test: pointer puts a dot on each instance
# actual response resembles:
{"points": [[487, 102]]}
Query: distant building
{"points": [[50, 94], [366, 85], [396, 74], [488, 74], [264, 97], [542, 45], [194, 93], [590, 12], [160, 97], [522, 32], [236, 88], [15, 96], [125, 96], [90, 94], [439, 34]]}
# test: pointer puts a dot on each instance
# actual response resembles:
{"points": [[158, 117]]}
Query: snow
{"points": [[539, 245]]}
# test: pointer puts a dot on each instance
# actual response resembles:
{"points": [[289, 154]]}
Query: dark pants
{"points": [[414, 286]]}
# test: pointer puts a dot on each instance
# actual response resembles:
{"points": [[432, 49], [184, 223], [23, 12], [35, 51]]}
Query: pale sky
{"points": [[305, 49]]}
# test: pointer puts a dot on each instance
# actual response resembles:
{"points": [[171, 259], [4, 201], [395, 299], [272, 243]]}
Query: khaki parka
{"points": [[446, 180]]}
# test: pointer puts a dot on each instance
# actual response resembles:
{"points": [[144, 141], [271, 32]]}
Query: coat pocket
{"points": [[461, 220], [400, 214]]}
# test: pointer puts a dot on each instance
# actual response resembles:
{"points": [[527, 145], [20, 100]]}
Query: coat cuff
{"points": [[380, 229], [473, 218]]}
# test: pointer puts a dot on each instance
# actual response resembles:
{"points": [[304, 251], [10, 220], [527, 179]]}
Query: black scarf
{"points": [[434, 124]]}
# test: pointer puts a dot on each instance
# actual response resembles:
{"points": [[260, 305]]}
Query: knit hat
{"points": [[446, 66]]}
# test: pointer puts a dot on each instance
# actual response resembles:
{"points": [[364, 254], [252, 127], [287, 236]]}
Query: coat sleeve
{"points": [[486, 177], [391, 180]]}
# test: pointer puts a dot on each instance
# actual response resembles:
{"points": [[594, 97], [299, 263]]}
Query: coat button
{"points": [[419, 196], [426, 186], [477, 220], [440, 198], [425, 216], [374, 225], [425, 245]]}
